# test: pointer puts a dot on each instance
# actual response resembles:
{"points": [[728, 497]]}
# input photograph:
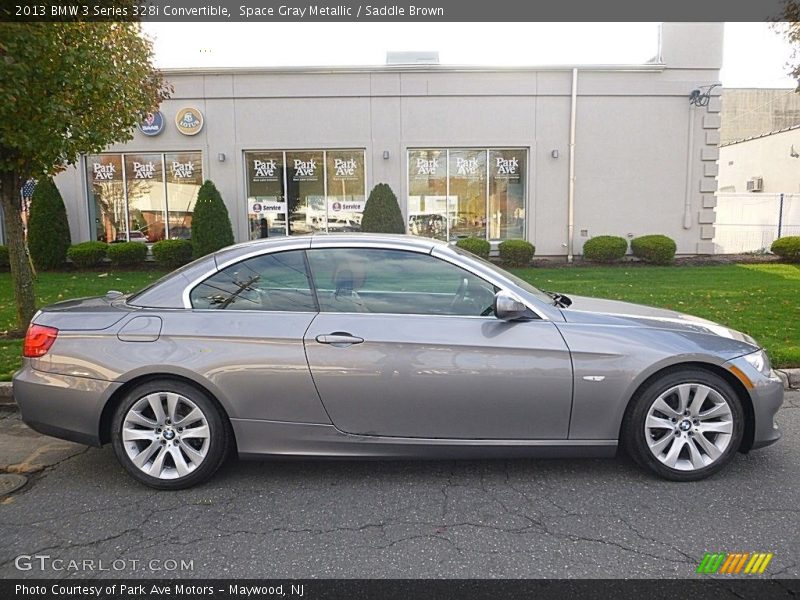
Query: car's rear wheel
{"points": [[169, 435], [685, 425]]}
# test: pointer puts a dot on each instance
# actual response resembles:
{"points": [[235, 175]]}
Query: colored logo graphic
{"points": [[189, 121], [153, 123], [745, 563]]}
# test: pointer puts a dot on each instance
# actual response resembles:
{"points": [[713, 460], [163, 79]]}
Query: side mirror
{"points": [[507, 307]]}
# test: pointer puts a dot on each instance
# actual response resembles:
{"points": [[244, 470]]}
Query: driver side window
{"points": [[396, 282]]}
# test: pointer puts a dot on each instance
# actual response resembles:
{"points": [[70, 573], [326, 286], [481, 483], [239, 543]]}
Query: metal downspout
{"points": [[571, 193]]}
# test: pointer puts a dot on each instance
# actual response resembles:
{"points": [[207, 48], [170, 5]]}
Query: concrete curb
{"points": [[790, 377]]}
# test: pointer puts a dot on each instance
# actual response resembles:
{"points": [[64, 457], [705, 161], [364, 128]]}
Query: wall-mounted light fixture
{"points": [[385, 155], [793, 153], [554, 153], [221, 157]]}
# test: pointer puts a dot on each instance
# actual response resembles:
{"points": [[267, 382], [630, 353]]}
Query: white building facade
{"points": [[551, 155]]}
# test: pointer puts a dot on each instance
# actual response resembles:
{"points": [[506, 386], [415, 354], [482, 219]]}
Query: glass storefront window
{"points": [[107, 209], [266, 201], [346, 194], [143, 197], [427, 193], [467, 192], [144, 180], [507, 194], [184, 178], [306, 192], [467, 209], [322, 190]]}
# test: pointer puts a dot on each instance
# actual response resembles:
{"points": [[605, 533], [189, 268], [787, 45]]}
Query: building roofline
{"points": [[422, 68], [761, 135]]}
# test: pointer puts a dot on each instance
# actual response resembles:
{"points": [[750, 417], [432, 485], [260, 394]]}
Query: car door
{"points": [[246, 331], [405, 345]]}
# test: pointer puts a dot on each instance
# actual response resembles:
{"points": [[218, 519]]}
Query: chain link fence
{"points": [[750, 222]]}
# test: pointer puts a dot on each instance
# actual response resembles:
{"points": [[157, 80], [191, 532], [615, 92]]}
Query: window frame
{"points": [[434, 250], [496, 287], [446, 150], [189, 290]]}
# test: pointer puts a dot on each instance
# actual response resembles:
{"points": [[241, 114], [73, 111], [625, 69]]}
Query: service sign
{"points": [[346, 205], [262, 205], [153, 124], [189, 121]]}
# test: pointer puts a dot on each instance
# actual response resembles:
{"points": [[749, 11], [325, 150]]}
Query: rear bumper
{"points": [[62, 406]]}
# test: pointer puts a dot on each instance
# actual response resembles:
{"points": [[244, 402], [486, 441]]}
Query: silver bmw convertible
{"points": [[356, 345]]}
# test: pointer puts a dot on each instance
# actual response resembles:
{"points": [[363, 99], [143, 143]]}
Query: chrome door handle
{"points": [[339, 338]]}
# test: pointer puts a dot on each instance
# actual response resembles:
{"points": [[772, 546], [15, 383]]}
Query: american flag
{"points": [[27, 188]]}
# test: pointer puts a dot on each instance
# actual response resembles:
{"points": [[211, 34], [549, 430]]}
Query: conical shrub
{"points": [[48, 227], [211, 225]]}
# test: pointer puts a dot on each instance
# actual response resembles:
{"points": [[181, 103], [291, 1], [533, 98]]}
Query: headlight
{"points": [[760, 362]]}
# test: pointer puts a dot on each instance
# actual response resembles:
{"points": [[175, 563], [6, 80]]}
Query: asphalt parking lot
{"points": [[301, 519]]}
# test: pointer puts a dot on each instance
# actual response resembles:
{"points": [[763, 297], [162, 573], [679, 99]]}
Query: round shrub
{"points": [[516, 252], [476, 246], [656, 249], [4, 261], [48, 228], [172, 253], [788, 248], [87, 254], [126, 254], [605, 248]]}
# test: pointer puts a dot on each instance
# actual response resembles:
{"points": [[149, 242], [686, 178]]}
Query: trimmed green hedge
{"points": [[656, 249], [516, 252], [172, 253], [788, 248], [48, 227], [605, 248], [87, 254], [4, 260], [126, 254], [381, 212], [476, 246]]}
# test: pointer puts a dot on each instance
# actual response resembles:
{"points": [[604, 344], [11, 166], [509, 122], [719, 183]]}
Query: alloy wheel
{"points": [[166, 435], [689, 426]]}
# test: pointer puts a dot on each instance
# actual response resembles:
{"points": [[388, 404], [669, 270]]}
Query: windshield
{"points": [[510, 276]]}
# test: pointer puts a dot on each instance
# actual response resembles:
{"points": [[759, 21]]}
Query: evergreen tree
{"points": [[382, 213], [48, 227], [211, 225]]}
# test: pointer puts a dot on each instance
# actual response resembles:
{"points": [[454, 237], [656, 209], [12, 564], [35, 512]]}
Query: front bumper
{"points": [[766, 395], [62, 406]]}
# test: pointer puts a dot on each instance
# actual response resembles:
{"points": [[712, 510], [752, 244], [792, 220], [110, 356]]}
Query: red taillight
{"points": [[38, 341]]}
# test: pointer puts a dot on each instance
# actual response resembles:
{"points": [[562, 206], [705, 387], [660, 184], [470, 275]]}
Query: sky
{"points": [[754, 55]]}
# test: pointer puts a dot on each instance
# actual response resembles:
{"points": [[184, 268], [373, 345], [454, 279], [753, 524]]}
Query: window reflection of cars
{"points": [[426, 225], [135, 236]]}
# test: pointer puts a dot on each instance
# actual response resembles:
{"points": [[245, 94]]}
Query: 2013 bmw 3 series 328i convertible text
{"points": [[356, 345]]}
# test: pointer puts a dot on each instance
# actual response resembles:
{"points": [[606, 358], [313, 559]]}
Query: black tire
{"points": [[219, 439], [634, 437]]}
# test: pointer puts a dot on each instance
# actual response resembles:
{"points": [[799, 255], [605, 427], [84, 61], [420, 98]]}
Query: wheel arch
{"points": [[107, 414], [747, 402]]}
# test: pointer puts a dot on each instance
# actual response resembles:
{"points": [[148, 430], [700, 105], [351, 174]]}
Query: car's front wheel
{"points": [[169, 435], [685, 425]]}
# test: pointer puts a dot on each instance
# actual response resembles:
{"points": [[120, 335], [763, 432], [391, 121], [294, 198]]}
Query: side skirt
{"points": [[276, 438]]}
